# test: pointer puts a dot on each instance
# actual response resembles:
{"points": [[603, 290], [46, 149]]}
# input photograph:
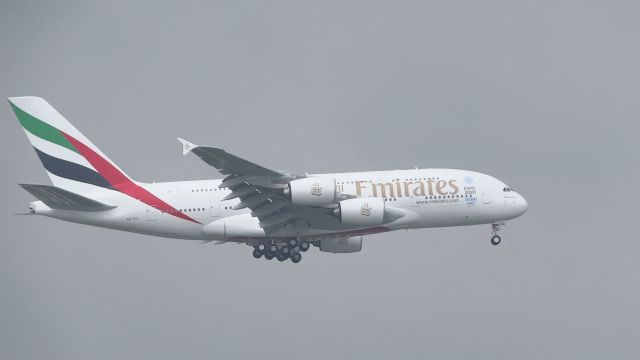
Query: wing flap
{"points": [[267, 209]]}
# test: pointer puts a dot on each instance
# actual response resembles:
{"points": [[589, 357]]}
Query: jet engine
{"points": [[341, 245], [313, 191], [364, 211]]}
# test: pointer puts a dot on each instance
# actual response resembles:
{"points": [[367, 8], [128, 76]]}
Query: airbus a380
{"points": [[280, 214]]}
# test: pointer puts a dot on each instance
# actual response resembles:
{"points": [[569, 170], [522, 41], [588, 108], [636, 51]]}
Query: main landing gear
{"points": [[495, 227], [292, 249]]}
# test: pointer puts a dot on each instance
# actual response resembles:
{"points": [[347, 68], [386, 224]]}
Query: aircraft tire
{"points": [[257, 253], [268, 255], [495, 240], [304, 246], [295, 258]]}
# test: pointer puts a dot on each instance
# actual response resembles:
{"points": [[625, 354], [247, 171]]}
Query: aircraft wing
{"points": [[227, 163], [258, 188]]}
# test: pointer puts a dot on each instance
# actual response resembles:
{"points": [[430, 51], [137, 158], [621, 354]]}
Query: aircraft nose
{"points": [[522, 205]]}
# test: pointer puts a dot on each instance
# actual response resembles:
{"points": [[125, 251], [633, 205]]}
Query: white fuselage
{"points": [[426, 197]]}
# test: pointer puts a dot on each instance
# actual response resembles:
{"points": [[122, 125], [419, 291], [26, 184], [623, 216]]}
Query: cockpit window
{"points": [[507, 189]]}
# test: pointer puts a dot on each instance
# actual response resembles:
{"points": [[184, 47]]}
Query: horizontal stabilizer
{"points": [[59, 199]]}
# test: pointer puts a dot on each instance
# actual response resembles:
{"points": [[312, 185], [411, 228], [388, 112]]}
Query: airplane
{"points": [[278, 213]]}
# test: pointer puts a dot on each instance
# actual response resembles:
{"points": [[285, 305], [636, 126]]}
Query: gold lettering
{"points": [[381, 189], [398, 189], [454, 185], [419, 191], [429, 182], [360, 186], [406, 188], [440, 186]]}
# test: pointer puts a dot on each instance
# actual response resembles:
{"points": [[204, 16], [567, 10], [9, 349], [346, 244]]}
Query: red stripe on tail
{"points": [[121, 182]]}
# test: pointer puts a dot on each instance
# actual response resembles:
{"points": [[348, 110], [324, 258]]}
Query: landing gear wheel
{"points": [[285, 251], [268, 255], [282, 258], [295, 258], [292, 242], [257, 253], [273, 248], [495, 240], [304, 246], [261, 247]]}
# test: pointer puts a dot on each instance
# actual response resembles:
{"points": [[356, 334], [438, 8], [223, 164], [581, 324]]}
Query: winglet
{"points": [[186, 146]]}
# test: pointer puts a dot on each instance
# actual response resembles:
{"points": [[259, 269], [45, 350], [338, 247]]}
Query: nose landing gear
{"points": [[495, 227]]}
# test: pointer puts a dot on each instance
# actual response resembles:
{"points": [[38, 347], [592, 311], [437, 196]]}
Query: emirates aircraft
{"points": [[279, 214]]}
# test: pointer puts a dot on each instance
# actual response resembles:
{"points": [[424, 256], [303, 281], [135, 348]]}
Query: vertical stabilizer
{"points": [[72, 161]]}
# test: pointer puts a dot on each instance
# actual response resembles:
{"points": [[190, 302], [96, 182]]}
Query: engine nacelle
{"points": [[364, 211], [341, 245], [314, 191]]}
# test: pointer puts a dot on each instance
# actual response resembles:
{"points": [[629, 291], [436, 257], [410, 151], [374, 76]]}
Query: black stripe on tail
{"points": [[72, 171]]}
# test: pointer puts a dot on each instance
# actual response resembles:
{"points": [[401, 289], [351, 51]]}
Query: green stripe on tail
{"points": [[41, 129]]}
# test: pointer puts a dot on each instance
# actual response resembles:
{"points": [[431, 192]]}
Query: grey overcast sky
{"points": [[544, 95]]}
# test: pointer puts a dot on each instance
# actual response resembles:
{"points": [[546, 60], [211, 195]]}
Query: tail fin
{"points": [[72, 161]]}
